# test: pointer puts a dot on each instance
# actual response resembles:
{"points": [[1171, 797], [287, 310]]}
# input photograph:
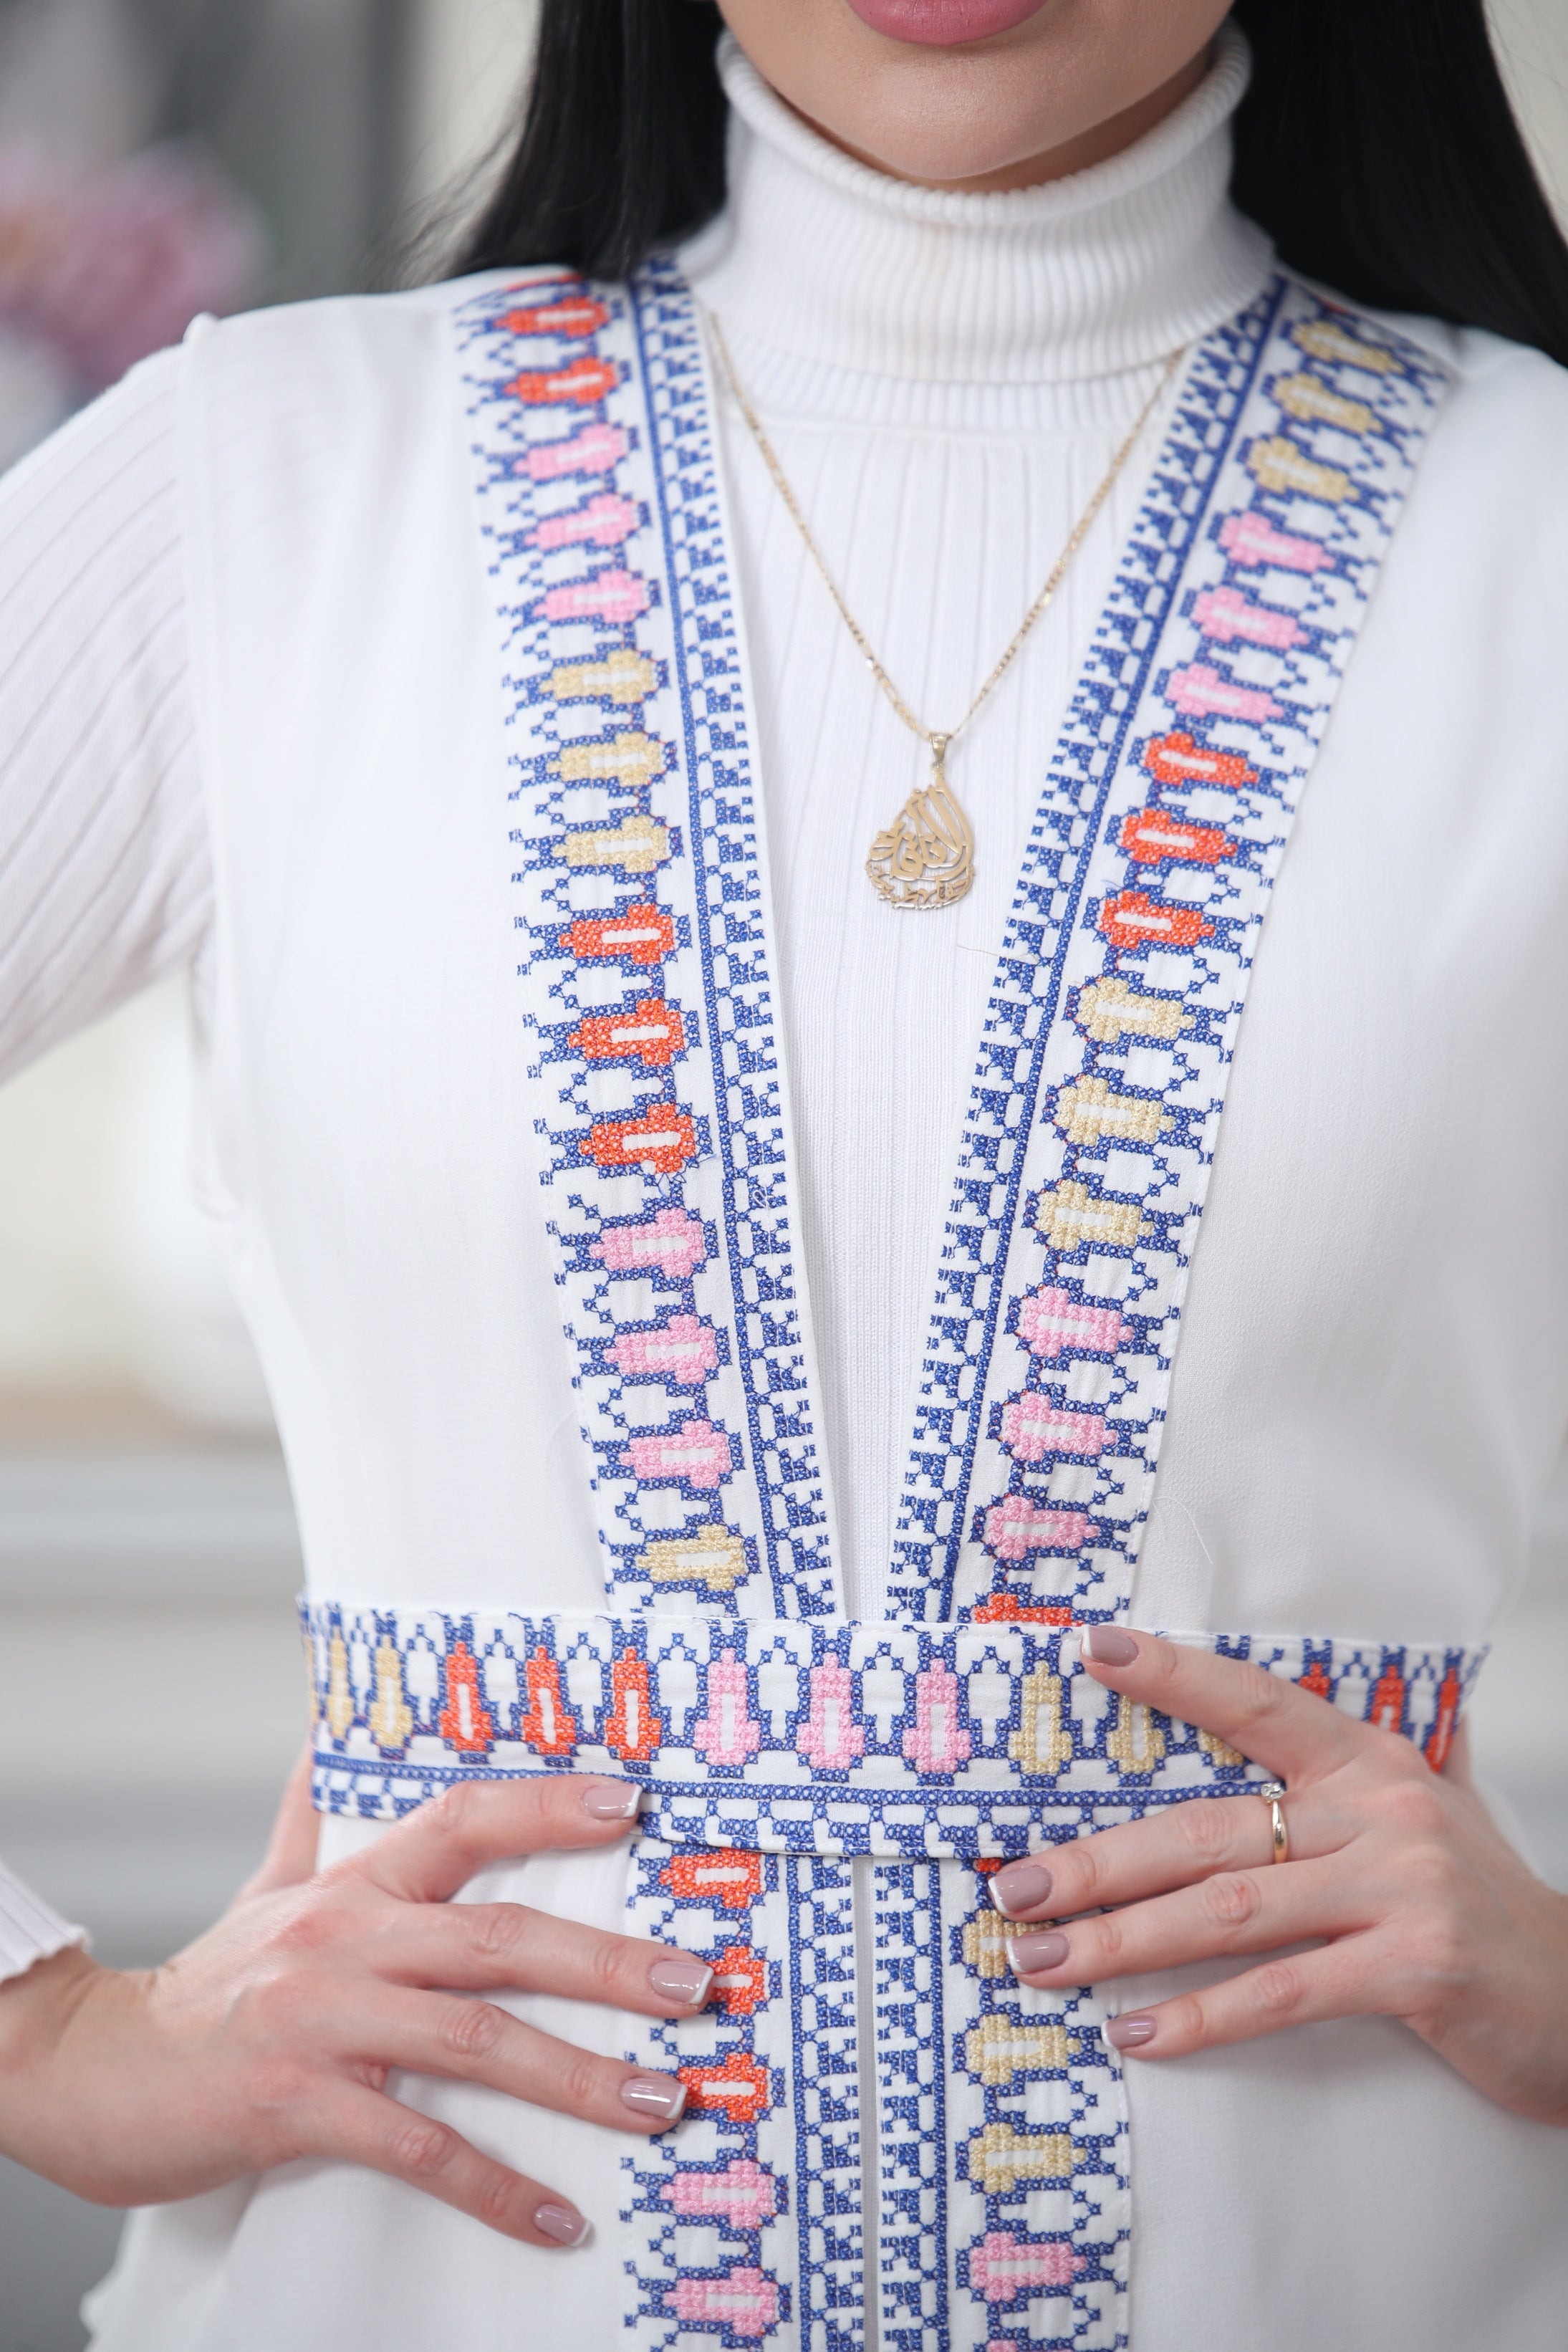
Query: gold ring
{"points": [[1272, 1793]]}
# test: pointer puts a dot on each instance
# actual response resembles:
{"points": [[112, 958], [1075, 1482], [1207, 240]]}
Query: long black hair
{"points": [[1376, 145]]}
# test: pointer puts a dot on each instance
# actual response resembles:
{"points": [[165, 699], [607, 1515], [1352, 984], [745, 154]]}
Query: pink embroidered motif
{"points": [[594, 449], [1200, 693], [697, 1452], [1033, 1427], [1004, 2265], [609, 595], [746, 2300], [1016, 1527], [831, 1736], [728, 1733], [1250, 538], [672, 1241], [745, 2193], [603, 520], [937, 1743], [1226, 613], [1050, 1322], [684, 1350]]}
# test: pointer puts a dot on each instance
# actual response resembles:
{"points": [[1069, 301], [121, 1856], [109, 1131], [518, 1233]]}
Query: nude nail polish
{"points": [[684, 1981], [611, 1800], [1108, 1645], [1026, 1954], [1021, 1886], [654, 2094], [1129, 2032], [561, 2222]]}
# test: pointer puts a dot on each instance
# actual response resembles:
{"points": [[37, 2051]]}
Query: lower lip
{"points": [[944, 24]]}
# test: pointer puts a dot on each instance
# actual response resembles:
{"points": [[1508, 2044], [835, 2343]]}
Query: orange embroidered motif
{"points": [[549, 1726], [659, 1140], [1178, 759], [569, 314], [1133, 920], [740, 1978], [465, 1722], [741, 2088], [1387, 1708], [1007, 1609], [1316, 1680], [580, 385], [1440, 1739], [720, 1874], [643, 934], [650, 1030], [1151, 837], [634, 1730]]}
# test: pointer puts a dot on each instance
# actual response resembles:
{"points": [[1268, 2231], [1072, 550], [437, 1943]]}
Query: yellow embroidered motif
{"points": [[1042, 1742], [1326, 342], [1218, 1750], [1110, 1009], [985, 1943], [1278, 464], [392, 1717], [998, 2157], [1002, 2047], [632, 759], [339, 1706], [1133, 1745], [1308, 397], [1069, 1213], [636, 844], [1091, 1109], [715, 1556], [624, 676]]}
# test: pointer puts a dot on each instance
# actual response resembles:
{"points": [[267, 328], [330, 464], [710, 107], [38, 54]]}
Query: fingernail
{"points": [[1027, 1953], [654, 2094], [1108, 1645], [1129, 2032], [684, 1980], [611, 1800], [561, 2222], [1021, 1886]]}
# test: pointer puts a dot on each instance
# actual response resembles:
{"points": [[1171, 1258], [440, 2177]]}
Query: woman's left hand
{"points": [[1417, 1907]]}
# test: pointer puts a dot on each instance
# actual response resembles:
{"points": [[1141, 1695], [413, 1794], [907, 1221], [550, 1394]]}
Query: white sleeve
{"points": [[30, 1928], [104, 869]]}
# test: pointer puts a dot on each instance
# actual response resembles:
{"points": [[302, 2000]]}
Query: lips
{"points": [[944, 24]]}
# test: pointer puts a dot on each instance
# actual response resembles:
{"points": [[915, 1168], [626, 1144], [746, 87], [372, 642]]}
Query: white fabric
{"points": [[30, 1928], [1373, 1374]]}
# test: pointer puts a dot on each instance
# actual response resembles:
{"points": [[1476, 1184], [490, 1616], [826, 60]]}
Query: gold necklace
{"points": [[926, 857]]}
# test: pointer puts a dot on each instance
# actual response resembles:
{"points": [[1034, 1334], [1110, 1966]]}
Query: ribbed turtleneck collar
{"points": [[821, 257]]}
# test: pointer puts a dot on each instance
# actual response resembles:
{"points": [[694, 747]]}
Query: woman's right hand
{"points": [[271, 2037]]}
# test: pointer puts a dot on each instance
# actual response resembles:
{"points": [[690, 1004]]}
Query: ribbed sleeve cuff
{"points": [[30, 1928]]}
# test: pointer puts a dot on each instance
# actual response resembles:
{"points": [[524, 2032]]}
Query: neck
{"points": [[1087, 275], [1095, 145]]}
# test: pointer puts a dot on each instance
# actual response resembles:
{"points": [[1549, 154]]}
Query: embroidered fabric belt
{"points": [[819, 1735]]}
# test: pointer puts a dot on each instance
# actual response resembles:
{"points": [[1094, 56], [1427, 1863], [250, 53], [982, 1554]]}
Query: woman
{"points": [[617, 1032]]}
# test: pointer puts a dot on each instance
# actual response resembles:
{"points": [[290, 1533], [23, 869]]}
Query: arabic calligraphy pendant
{"points": [[926, 857]]}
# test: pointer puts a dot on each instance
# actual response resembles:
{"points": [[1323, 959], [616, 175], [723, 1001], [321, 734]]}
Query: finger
{"points": [[1237, 1911], [479, 1946], [290, 1856], [1343, 1979], [474, 2042], [359, 2127], [443, 1845], [1170, 1847], [1290, 1730]]}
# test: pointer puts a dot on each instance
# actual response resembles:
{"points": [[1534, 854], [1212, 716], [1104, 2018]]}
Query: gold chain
{"points": [[927, 858]]}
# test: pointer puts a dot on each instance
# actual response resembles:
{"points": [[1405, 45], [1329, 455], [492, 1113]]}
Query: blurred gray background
{"points": [[148, 1552]]}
